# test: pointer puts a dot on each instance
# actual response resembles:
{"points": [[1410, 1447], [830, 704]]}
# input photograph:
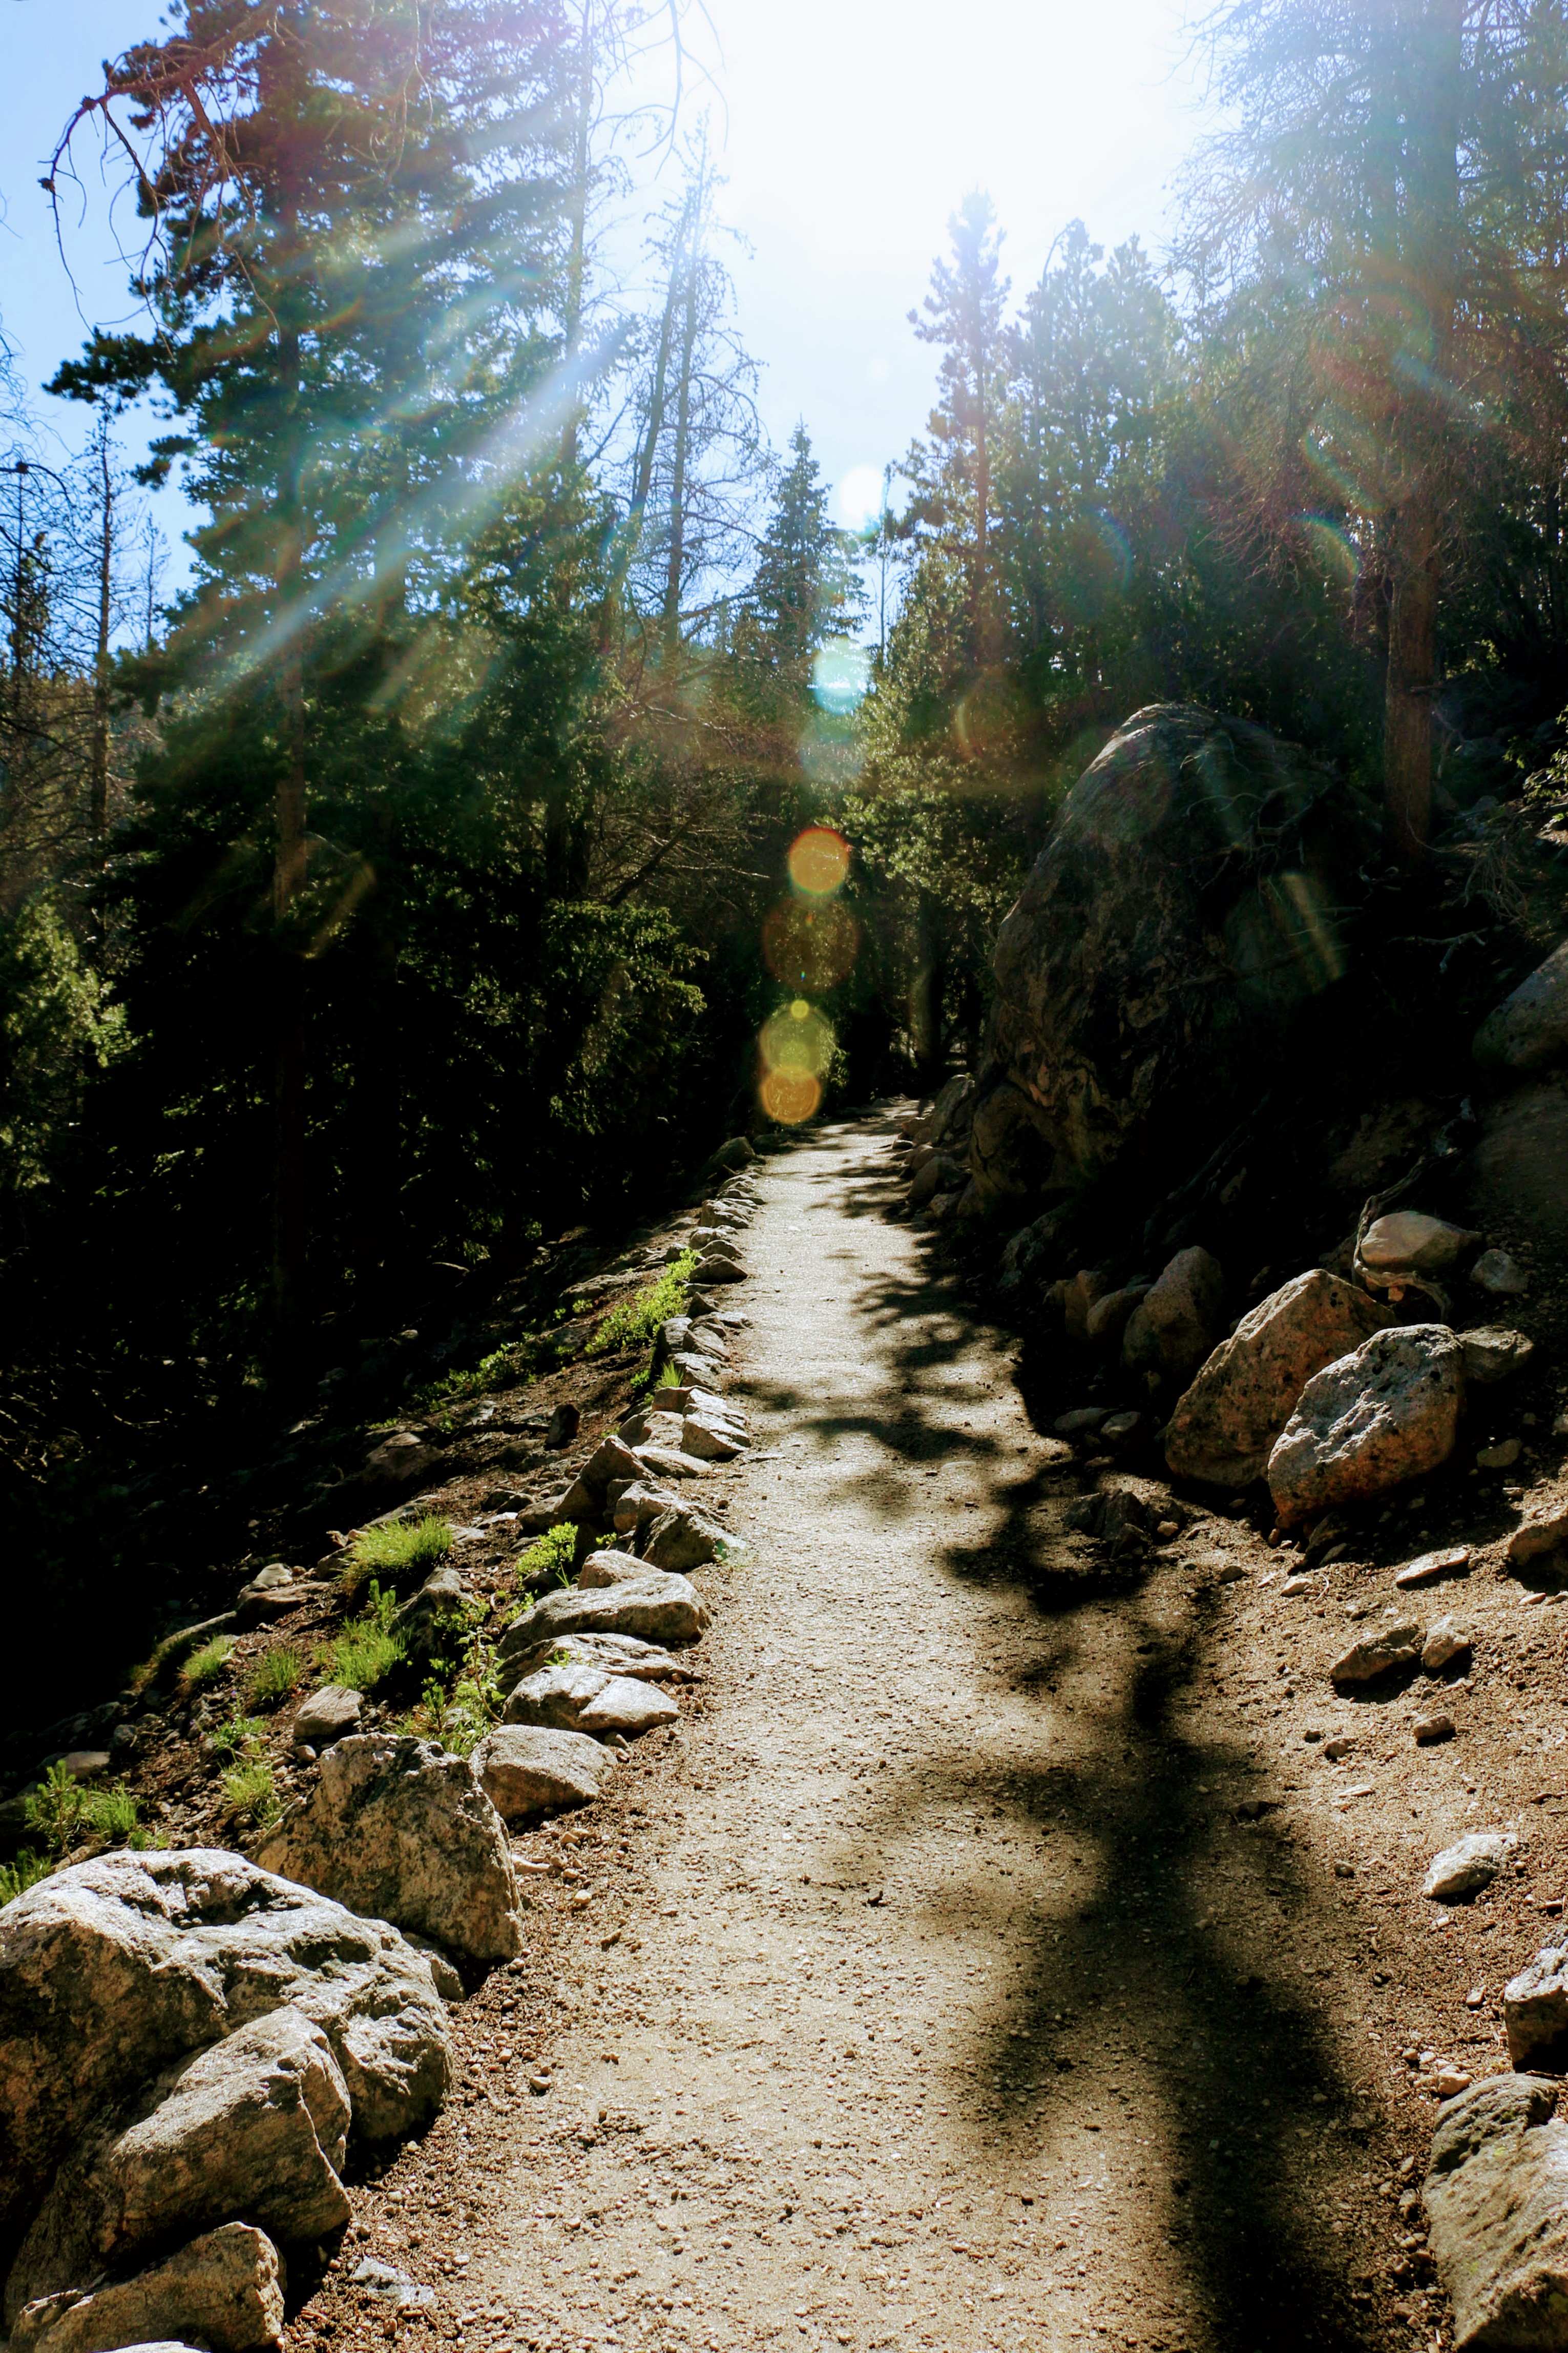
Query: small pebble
{"points": [[1340, 1746], [1430, 1729], [1499, 1457], [1451, 1562]]}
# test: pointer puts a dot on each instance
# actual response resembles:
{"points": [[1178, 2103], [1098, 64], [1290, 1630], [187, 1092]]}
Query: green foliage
{"points": [[207, 1664], [58, 1027], [251, 1794], [367, 1650], [461, 1705], [111, 1813], [58, 1810], [274, 1676], [240, 1736], [633, 1321], [552, 1554], [16, 1878]]}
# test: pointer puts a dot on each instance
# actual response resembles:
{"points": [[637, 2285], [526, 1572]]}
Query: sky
{"points": [[849, 130]]}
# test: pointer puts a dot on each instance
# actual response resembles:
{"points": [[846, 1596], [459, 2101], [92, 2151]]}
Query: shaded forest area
{"points": [[415, 890]]}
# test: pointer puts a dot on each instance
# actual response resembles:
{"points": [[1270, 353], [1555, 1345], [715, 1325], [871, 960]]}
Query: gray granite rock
{"points": [[1497, 2208], [1471, 1863]]}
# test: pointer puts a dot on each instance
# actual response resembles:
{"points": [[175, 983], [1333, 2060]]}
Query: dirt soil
{"points": [[994, 1955]]}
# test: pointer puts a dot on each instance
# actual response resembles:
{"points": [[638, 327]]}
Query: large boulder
{"points": [[256, 2126], [1187, 902], [113, 1969], [1369, 1422], [1497, 2208], [1171, 1329], [1223, 1429], [225, 2290], [400, 1829], [1530, 1028]]}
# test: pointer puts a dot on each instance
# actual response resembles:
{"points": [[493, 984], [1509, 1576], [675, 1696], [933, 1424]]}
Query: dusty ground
{"points": [[990, 1958]]}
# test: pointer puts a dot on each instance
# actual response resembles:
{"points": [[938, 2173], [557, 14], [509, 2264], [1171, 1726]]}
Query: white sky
{"points": [[851, 130]]}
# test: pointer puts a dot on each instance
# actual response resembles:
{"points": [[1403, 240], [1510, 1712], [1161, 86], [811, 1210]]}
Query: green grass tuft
{"points": [[399, 1548], [205, 1665], [240, 1736], [270, 1680], [366, 1651], [251, 1794], [633, 1322], [111, 1813]]}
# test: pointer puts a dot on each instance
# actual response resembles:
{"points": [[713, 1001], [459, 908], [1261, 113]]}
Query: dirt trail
{"points": [[954, 2000]]}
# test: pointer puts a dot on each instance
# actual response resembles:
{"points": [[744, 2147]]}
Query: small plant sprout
{"points": [[240, 1736]]}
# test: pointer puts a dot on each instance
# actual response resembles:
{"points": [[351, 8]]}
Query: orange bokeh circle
{"points": [[790, 1096], [818, 861]]}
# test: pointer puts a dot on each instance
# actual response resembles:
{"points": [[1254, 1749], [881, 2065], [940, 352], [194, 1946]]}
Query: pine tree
{"points": [[805, 589], [953, 472]]}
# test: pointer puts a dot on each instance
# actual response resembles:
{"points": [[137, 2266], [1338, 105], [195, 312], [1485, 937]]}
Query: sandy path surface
{"points": [[929, 1985]]}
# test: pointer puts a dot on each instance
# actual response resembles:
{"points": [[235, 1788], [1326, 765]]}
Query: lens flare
{"points": [[810, 947], [790, 1096], [796, 1047], [840, 675], [818, 861]]}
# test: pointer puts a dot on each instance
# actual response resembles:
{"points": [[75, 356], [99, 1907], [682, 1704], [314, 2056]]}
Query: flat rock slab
{"points": [[619, 1654], [1225, 1427], [1494, 1353], [1497, 2207], [578, 1696], [528, 1771], [1384, 1653], [1470, 1864], [1370, 1422], [680, 1540], [1429, 1566], [657, 1608]]}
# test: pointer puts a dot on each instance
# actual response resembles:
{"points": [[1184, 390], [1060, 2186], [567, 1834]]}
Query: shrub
{"points": [[635, 1321], [205, 1665], [58, 1810], [251, 1794], [270, 1679], [16, 1878], [553, 1554], [397, 1549]]}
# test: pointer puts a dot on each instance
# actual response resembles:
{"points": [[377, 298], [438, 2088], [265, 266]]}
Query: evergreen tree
{"points": [[805, 589]]}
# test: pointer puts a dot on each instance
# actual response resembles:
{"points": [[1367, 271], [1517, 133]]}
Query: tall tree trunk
{"points": [[577, 251], [100, 817], [1431, 54], [978, 632]]}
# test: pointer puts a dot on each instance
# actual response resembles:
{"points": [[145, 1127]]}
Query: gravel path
{"points": [[929, 1985]]}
